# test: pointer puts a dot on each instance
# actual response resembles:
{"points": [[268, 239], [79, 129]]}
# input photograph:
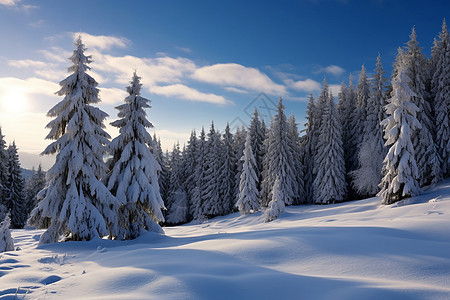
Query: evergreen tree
{"points": [[399, 166], [15, 189], [372, 152], [276, 205], [309, 146], [34, 185], [6, 241], [3, 169], [329, 183], [298, 185], [197, 207], [211, 197], [190, 167], [133, 176], [425, 151], [279, 159], [441, 90], [257, 137], [227, 173], [75, 201], [238, 148], [177, 202], [163, 173], [248, 201]]}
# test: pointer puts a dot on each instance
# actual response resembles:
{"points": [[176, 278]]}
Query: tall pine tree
{"points": [[76, 202], [133, 176]]}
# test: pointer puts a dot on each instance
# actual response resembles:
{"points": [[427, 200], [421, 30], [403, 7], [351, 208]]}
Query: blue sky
{"points": [[200, 60]]}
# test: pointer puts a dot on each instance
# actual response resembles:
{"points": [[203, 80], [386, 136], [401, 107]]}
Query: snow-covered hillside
{"points": [[355, 250]]}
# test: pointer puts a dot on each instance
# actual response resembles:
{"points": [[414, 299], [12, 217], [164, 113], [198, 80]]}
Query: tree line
{"points": [[385, 137]]}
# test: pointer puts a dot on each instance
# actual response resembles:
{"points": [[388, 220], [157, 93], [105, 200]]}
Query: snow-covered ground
{"points": [[355, 250]]}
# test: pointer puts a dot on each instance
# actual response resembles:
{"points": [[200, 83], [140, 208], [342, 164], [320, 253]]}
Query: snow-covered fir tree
{"points": [[309, 150], [189, 169], [210, 194], [248, 200], [329, 184], [425, 151], [257, 137], [35, 183], [298, 185], [15, 189], [276, 205], [399, 167], [133, 176], [440, 85], [372, 152], [177, 201], [346, 107], [76, 202], [6, 240], [227, 173], [238, 148], [279, 160], [163, 173], [3, 168], [197, 203]]}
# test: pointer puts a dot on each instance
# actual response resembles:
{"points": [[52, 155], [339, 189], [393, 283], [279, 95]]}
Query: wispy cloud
{"points": [[101, 42], [184, 49], [27, 63], [307, 85], [184, 92], [112, 96], [9, 2], [15, 4], [237, 75], [331, 69], [235, 90], [37, 24]]}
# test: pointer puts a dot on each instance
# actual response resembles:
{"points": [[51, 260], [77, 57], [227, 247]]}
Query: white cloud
{"points": [[183, 92], [307, 85], [101, 42], [184, 49], [236, 75], [331, 69], [236, 90], [112, 96], [169, 138], [335, 89], [27, 63], [56, 54], [9, 2], [28, 86]]}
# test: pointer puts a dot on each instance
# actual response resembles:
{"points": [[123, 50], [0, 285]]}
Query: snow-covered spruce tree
{"points": [[276, 205], [347, 105], [257, 137], [399, 166], [329, 184], [298, 185], [425, 151], [197, 202], [238, 148], [372, 152], [177, 201], [163, 173], [15, 189], [35, 183], [211, 197], [3, 168], [133, 176], [75, 202], [279, 159], [440, 85], [309, 146], [248, 200], [6, 240], [189, 169], [227, 173]]}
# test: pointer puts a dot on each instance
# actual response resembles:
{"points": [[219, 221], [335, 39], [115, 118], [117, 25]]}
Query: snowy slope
{"points": [[355, 250]]}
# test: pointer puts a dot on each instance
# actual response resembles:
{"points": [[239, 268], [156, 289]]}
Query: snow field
{"points": [[353, 250]]}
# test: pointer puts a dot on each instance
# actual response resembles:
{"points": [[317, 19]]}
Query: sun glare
{"points": [[14, 101]]}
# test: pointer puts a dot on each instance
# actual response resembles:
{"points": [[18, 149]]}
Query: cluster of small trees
{"points": [[17, 195]]}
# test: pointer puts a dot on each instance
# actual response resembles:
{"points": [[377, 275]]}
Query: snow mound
{"points": [[354, 250]]}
